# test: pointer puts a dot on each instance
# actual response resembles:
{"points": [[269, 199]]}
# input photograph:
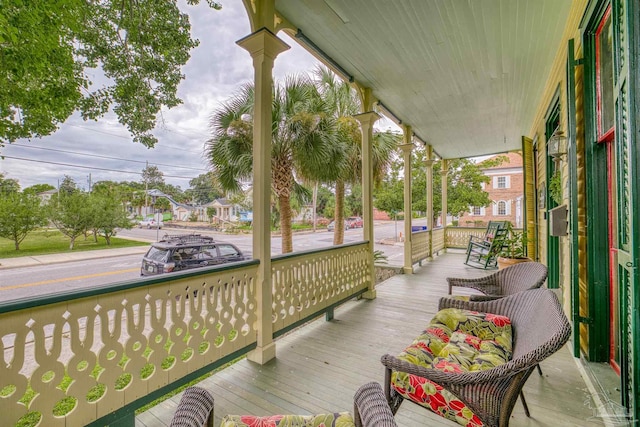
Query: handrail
{"points": [[70, 295]]}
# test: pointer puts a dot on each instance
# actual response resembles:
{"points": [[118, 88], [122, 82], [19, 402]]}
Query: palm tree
{"points": [[303, 143], [345, 104]]}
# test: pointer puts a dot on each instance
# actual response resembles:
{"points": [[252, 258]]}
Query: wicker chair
{"points": [[511, 280], [194, 410], [540, 329]]}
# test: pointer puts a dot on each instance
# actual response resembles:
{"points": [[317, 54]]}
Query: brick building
{"points": [[506, 189]]}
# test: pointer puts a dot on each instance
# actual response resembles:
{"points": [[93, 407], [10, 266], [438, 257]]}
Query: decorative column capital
{"points": [[263, 42], [368, 118], [406, 147], [429, 163]]}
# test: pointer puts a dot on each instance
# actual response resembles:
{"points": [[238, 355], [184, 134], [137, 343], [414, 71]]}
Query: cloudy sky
{"points": [[104, 150]]}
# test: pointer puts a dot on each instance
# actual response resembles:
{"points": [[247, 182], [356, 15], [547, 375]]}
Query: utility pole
{"points": [[146, 192], [315, 203], [89, 182]]}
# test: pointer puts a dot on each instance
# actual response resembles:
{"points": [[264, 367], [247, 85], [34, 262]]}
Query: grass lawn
{"points": [[54, 242]]}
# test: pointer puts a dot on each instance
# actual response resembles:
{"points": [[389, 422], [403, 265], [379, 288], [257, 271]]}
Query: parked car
{"points": [[332, 225], [187, 251], [151, 223], [355, 222]]}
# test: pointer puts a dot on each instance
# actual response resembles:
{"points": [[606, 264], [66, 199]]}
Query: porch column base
{"points": [[407, 270], [262, 355], [371, 294]]}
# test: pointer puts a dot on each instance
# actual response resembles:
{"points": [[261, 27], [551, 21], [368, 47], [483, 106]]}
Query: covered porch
{"points": [[318, 367]]}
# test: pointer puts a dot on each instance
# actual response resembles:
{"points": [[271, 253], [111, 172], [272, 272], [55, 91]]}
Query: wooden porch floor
{"points": [[319, 367]]}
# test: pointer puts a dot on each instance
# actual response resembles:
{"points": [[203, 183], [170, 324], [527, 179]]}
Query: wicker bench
{"points": [[472, 361]]}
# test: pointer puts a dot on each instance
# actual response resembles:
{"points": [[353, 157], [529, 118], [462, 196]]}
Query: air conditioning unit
{"points": [[558, 223]]}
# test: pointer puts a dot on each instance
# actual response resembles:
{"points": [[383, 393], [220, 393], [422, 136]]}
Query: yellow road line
{"points": [[65, 279]]}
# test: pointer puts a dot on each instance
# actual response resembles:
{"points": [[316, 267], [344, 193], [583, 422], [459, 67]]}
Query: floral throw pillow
{"points": [[339, 419]]}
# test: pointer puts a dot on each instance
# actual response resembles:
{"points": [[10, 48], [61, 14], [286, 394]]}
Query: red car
{"points": [[355, 222]]}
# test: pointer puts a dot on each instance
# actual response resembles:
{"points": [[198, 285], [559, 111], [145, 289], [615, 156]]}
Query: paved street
{"points": [[68, 272]]}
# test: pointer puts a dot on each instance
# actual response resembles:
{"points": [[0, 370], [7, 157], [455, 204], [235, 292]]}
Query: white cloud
{"points": [[214, 72]]}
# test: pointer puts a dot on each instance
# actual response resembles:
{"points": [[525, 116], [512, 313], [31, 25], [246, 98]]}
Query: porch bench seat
{"points": [[456, 340]]}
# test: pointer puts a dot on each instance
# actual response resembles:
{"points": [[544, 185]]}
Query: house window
{"points": [[502, 207], [477, 210], [604, 78], [501, 182]]}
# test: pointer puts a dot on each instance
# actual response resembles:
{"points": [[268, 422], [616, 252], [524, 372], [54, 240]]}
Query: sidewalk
{"points": [[29, 261]]}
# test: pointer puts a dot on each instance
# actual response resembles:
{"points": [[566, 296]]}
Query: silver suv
{"points": [[187, 251]]}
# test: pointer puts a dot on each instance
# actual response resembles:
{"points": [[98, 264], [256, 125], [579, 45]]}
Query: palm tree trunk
{"points": [[285, 222], [338, 232]]}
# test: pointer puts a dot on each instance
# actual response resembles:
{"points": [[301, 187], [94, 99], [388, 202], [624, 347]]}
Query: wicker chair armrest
{"points": [[447, 379], [194, 410], [371, 408], [477, 298], [479, 281], [494, 306]]}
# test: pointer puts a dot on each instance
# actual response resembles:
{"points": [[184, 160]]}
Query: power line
{"points": [[129, 138], [91, 167], [103, 157]]}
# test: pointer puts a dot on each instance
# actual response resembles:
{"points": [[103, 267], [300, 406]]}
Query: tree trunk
{"points": [[107, 237], [71, 243], [338, 231], [285, 222]]}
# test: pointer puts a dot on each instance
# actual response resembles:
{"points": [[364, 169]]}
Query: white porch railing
{"points": [[437, 240], [92, 358], [420, 246], [306, 283], [458, 237], [70, 360]]}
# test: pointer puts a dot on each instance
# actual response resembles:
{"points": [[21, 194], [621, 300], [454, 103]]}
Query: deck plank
{"points": [[319, 367]]}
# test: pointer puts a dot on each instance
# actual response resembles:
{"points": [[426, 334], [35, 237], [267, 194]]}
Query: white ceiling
{"points": [[467, 75]]}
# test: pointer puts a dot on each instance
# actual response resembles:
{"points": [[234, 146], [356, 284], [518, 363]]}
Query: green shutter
{"points": [[625, 25], [572, 154]]}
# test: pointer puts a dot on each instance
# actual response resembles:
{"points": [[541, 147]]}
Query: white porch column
{"points": [[406, 147], [263, 46], [429, 180], [367, 119], [445, 173]]}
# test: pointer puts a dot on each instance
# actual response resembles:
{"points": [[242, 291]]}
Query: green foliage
{"points": [[390, 196], [515, 244], [20, 214], [107, 216], [48, 48], [8, 185], [49, 242], [464, 184], [379, 257], [203, 189], [38, 188], [71, 214], [555, 187], [303, 144]]}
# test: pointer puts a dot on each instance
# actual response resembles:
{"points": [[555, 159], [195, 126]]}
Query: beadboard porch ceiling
{"points": [[467, 75]]}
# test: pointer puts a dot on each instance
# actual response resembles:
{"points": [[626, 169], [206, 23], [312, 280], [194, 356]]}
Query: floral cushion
{"points": [[341, 419], [455, 341]]}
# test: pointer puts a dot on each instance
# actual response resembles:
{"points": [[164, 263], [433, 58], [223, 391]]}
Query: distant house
{"points": [[506, 190], [45, 196], [225, 210]]}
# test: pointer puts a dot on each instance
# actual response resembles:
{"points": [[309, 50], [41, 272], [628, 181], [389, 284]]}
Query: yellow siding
{"points": [[555, 81], [582, 204]]}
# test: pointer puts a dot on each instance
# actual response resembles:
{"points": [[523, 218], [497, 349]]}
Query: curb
{"points": [[30, 261]]}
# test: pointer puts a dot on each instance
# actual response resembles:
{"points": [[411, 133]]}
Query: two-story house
{"points": [[506, 190]]}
